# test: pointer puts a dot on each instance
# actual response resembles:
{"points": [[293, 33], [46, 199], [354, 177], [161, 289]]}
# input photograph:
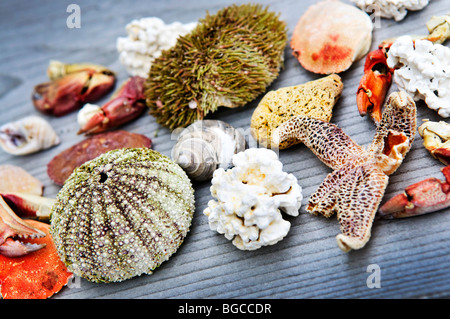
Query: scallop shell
{"points": [[27, 135], [122, 214], [206, 145]]}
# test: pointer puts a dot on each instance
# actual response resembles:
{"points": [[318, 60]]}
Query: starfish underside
{"points": [[360, 175]]}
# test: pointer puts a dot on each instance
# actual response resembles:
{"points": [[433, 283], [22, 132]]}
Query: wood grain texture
{"points": [[413, 254]]}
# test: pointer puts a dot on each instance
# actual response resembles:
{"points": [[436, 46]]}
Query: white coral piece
{"points": [[147, 38], [423, 71], [249, 198], [396, 9]]}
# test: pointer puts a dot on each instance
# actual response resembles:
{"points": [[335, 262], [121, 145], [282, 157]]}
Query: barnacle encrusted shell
{"points": [[206, 145], [122, 214], [227, 60]]}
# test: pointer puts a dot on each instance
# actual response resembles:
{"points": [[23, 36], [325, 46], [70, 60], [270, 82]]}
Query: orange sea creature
{"points": [[37, 275]]}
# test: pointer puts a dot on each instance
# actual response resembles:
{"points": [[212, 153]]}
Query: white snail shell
{"points": [[27, 135], [206, 145]]}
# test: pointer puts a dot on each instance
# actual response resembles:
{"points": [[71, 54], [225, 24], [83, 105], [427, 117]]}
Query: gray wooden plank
{"points": [[413, 254]]}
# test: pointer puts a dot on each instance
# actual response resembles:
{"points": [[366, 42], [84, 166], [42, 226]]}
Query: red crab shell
{"points": [[37, 275]]}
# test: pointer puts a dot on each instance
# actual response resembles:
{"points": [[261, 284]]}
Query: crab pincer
{"points": [[424, 197], [11, 226], [71, 86], [377, 77], [374, 84], [125, 105]]}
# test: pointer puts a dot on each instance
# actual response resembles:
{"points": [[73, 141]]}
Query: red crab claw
{"points": [[125, 105], [12, 226], [69, 92], [374, 84], [421, 198]]}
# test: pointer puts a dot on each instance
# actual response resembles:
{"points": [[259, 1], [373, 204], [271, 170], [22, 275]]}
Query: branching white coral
{"points": [[147, 38], [249, 198], [389, 9], [423, 71]]}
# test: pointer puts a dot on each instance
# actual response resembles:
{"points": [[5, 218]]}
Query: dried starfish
{"points": [[356, 186]]}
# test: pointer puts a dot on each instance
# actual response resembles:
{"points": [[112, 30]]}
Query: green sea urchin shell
{"points": [[227, 60], [122, 214]]}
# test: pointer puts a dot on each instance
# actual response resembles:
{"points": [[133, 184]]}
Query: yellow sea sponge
{"points": [[315, 99]]}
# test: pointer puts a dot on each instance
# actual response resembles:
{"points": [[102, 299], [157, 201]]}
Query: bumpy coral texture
{"points": [[396, 9], [249, 198], [423, 71], [356, 186], [122, 214], [146, 39]]}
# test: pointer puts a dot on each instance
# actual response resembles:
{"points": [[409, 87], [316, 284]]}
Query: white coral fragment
{"points": [[249, 198], [391, 9], [147, 38], [423, 71]]}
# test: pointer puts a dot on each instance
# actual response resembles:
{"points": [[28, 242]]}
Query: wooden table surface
{"points": [[413, 255]]}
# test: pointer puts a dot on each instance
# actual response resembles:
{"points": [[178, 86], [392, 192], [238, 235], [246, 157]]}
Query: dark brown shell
{"points": [[63, 164]]}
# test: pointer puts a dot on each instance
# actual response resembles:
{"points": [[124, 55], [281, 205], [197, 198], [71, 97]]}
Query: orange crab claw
{"points": [[12, 226], [69, 92], [374, 84], [127, 104], [37, 275], [420, 198]]}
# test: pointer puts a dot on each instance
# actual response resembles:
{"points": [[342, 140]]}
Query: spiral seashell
{"points": [[206, 145], [28, 135], [122, 214]]}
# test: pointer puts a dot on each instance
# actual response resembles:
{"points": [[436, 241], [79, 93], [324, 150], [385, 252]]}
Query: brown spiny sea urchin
{"points": [[122, 214], [227, 60]]}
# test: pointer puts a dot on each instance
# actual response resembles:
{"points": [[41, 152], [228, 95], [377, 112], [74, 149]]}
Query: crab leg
{"points": [[374, 85], [420, 198], [377, 76], [127, 104], [70, 86], [12, 226]]}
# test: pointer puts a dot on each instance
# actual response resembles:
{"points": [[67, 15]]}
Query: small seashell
{"points": [[206, 145], [122, 214], [28, 135]]}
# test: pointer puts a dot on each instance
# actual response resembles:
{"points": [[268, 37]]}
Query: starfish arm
{"points": [[361, 192], [326, 140], [323, 201], [397, 125]]}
